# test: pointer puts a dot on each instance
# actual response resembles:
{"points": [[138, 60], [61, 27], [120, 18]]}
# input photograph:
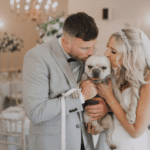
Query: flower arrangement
{"points": [[53, 26], [10, 43]]}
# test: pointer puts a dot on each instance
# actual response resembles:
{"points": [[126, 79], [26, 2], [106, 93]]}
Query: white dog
{"points": [[100, 67]]}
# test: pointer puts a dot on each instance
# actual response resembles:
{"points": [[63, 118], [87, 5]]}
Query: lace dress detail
{"points": [[122, 138]]}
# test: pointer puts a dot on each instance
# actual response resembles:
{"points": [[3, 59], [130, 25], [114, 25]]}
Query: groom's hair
{"points": [[81, 25]]}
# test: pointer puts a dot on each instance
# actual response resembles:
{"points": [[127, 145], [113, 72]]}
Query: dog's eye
{"points": [[104, 68], [90, 67]]}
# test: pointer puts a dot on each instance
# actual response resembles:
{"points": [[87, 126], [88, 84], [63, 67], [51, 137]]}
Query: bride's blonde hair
{"points": [[134, 60]]}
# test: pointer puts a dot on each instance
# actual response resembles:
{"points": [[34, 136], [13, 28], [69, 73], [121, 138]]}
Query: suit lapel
{"points": [[60, 58], [81, 72]]}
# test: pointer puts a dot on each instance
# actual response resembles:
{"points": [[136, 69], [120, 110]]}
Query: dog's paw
{"points": [[125, 108], [112, 146], [109, 142], [97, 127], [105, 128], [75, 94], [131, 116]]}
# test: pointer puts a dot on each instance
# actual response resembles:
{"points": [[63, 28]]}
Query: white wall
{"points": [[125, 13]]}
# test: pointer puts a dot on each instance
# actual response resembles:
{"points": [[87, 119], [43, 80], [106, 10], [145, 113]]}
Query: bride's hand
{"points": [[105, 90]]}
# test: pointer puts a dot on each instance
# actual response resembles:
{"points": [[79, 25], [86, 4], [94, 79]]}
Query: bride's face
{"points": [[112, 54]]}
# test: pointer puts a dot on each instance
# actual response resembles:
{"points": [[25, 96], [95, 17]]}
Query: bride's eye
{"points": [[113, 52]]}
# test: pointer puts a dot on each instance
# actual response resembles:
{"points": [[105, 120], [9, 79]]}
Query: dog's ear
{"points": [[112, 71], [123, 72], [84, 76], [112, 74]]}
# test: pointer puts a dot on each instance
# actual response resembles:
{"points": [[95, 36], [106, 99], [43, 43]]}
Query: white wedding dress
{"points": [[120, 136]]}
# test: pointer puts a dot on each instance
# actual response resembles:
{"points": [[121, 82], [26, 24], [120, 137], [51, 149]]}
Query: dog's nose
{"points": [[96, 73]]}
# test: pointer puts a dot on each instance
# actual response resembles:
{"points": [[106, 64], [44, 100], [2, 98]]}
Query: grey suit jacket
{"points": [[47, 74]]}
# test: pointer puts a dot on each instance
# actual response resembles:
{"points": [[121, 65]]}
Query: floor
{"points": [[2, 147]]}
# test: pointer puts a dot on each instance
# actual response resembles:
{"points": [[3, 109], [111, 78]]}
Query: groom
{"points": [[54, 68]]}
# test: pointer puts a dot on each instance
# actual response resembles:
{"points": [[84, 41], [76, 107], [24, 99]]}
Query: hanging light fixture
{"points": [[33, 8]]}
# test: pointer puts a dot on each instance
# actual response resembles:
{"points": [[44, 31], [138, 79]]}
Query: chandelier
{"points": [[33, 8]]}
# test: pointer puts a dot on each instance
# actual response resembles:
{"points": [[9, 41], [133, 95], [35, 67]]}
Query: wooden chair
{"points": [[11, 128], [11, 101]]}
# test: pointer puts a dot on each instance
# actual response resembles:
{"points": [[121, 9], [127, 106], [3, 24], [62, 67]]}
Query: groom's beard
{"points": [[82, 60]]}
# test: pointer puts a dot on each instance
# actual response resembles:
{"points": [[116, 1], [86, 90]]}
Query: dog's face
{"points": [[97, 67]]}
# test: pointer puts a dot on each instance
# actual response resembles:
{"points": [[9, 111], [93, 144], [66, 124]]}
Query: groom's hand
{"points": [[89, 89], [97, 111]]}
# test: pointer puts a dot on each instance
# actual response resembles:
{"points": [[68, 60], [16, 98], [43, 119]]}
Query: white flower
{"points": [[56, 26], [62, 19], [41, 32], [15, 42], [9, 47], [60, 31]]}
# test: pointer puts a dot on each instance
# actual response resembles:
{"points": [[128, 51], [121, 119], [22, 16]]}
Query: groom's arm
{"points": [[39, 106]]}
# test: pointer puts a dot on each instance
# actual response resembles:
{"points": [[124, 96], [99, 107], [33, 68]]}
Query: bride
{"points": [[129, 49]]}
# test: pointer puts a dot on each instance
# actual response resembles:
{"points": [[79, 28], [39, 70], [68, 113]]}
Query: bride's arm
{"points": [[143, 108]]}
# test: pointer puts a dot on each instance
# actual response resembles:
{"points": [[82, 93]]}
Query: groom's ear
{"points": [[66, 42]]}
